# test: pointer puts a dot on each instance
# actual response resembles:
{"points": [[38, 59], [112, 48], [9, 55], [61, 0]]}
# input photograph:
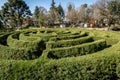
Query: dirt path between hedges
{"points": [[105, 29]]}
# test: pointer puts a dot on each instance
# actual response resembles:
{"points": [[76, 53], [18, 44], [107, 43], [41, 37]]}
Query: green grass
{"points": [[17, 64]]}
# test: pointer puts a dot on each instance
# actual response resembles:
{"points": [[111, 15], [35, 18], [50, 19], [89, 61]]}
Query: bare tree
{"points": [[72, 14]]}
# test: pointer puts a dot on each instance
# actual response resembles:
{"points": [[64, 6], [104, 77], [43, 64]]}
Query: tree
{"points": [[14, 11], [40, 15], [84, 13], [60, 12], [72, 14], [1, 21], [53, 12], [36, 12], [100, 10], [1, 24], [114, 9]]}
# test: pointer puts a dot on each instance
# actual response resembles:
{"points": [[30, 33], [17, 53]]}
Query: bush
{"points": [[100, 66], [15, 43], [3, 38], [118, 70], [77, 50], [68, 36], [33, 47], [68, 43], [44, 37], [8, 53]]}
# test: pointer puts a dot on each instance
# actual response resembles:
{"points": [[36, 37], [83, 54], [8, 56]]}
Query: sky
{"points": [[47, 3]]}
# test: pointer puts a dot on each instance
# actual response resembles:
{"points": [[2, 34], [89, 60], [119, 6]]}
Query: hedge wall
{"points": [[30, 49], [8, 53], [33, 42], [102, 65], [99, 66], [68, 36], [118, 70], [68, 43], [77, 50], [3, 38]]}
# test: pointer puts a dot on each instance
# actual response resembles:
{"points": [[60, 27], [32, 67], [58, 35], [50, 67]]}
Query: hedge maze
{"points": [[49, 54]]}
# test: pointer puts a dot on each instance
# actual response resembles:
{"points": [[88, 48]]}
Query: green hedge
{"points": [[68, 36], [44, 37], [33, 46], [68, 43], [24, 36], [33, 43], [103, 65], [8, 53], [98, 66], [77, 50], [3, 38], [118, 70]]}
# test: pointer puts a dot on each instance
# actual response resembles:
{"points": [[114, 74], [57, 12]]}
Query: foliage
{"points": [[14, 11], [40, 15], [60, 12], [68, 43], [19, 63], [36, 12], [76, 50]]}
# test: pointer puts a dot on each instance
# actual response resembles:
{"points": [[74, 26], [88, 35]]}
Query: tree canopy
{"points": [[14, 11]]}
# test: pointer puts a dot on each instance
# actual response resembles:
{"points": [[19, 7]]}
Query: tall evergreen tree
{"points": [[14, 11], [40, 15], [36, 12], [54, 16], [60, 12], [53, 4], [1, 24]]}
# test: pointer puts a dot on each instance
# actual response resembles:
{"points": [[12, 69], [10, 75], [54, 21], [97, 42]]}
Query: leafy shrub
{"points": [[32, 46], [3, 38], [8, 53], [68, 43], [15, 43], [77, 50], [118, 70], [68, 36], [100, 66]]}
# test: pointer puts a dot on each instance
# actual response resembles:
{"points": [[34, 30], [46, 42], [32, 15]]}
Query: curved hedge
{"points": [[68, 43], [100, 66], [118, 70], [68, 36], [20, 50], [77, 50], [33, 43], [18, 64], [8, 53]]}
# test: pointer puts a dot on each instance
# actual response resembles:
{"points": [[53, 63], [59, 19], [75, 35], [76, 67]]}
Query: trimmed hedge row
{"points": [[68, 43], [32, 46], [99, 66], [77, 50], [44, 37], [70, 36], [15, 43], [3, 38], [8, 53], [24, 36], [118, 70], [103, 65]]}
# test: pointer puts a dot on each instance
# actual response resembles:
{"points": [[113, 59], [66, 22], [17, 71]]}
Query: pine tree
{"points": [[36, 12], [60, 12], [14, 11]]}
